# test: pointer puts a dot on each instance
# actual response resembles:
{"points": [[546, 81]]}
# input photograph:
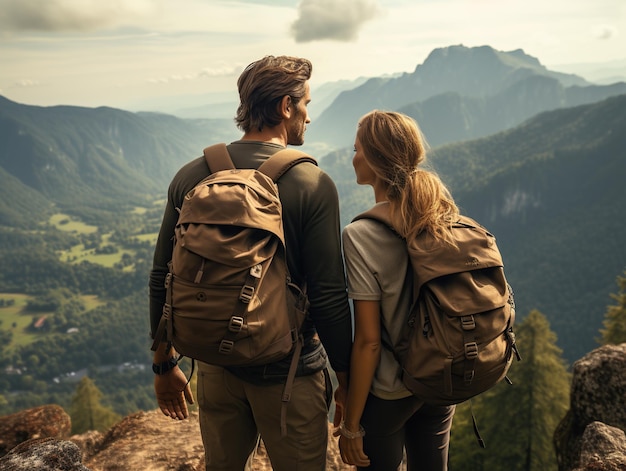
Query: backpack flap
{"points": [[240, 198], [476, 249], [470, 292]]}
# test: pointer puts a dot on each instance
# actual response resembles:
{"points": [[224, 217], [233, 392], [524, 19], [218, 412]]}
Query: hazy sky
{"points": [[121, 52]]}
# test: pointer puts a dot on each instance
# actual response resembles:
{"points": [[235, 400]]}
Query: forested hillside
{"points": [[91, 162], [82, 197]]}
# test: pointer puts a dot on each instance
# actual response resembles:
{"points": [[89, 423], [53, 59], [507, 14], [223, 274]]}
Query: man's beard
{"points": [[296, 131]]}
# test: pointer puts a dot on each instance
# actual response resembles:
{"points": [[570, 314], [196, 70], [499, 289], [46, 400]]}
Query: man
{"points": [[237, 404]]}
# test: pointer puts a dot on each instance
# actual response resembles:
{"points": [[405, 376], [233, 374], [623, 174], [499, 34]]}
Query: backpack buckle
{"points": [[246, 293], [468, 323], [167, 310], [256, 271], [226, 346], [235, 324], [471, 350]]}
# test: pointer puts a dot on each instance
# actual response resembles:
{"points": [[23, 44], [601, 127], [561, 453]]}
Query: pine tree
{"points": [[615, 318], [86, 411], [517, 421]]}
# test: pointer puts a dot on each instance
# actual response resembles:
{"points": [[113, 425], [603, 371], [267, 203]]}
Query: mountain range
{"points": [[539, 157], [460, 93]]}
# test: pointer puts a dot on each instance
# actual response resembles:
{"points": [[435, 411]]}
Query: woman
{"points": [[381, 417]]}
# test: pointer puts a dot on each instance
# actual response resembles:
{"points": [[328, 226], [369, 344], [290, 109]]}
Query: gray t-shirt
{"points": [[376, 267]]}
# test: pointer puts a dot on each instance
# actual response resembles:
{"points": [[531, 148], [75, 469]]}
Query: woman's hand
{"points": [[352, 451]]}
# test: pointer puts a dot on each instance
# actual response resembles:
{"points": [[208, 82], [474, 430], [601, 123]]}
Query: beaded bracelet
{"points": [[351, 435]]}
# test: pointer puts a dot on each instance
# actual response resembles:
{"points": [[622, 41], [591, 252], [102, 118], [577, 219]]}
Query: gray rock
{"points": [[43, 454], [603, 448], [39, 422], [591, 435]]}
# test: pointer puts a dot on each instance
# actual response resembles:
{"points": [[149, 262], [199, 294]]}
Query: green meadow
{"points": [[15, 318], [66, 223], [79, 253]]}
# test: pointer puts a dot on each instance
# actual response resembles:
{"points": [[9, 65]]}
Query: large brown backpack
{"points": [[457, 340], [229, 297]]}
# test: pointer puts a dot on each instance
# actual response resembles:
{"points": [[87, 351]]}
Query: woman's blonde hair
{"points": [[394, 148]]}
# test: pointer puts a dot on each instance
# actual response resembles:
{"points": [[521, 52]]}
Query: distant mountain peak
{"points": [[480, 56], [505, 87]]}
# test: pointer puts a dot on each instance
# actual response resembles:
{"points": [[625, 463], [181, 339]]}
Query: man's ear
{"points": [[286, 107]]}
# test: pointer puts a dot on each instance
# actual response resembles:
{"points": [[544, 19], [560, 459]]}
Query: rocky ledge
{"points": [[590, 437]]}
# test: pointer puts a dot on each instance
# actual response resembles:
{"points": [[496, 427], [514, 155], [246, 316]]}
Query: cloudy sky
{"points": [[125, 52]]}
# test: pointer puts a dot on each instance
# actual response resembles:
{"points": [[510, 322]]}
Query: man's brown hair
{"points": [[263, 84]]}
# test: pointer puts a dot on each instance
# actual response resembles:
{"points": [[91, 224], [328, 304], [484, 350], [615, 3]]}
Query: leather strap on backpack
{"points": [[218, 158], [286, 397], [164, 329], [279, 163]]}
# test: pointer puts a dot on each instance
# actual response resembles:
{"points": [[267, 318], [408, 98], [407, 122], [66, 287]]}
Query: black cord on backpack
{"points": [[193, 364], [481, 442]]}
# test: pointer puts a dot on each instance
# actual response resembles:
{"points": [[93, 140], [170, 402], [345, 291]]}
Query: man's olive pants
{"points": [[233, 412]]}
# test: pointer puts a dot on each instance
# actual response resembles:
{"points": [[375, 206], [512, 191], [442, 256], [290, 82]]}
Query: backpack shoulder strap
{"points": [[276, 166], [218, 158], [380, 213]]}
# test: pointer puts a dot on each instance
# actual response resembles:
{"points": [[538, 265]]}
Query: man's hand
{"points": [[172, 393], [341, 394], [340, 400]]}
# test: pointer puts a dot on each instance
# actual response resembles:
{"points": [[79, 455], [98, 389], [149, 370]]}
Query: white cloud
{"points": [[22, 83], [331, 19], [604, 32], [179, 78], [210, 72], [71, 15], [221, 71], [158, 80]]}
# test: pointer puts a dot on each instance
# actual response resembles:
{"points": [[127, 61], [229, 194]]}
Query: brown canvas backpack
{"points": [[229, 297], [457, 340]]}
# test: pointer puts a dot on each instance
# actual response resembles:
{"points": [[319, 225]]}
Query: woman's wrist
{"points": [[351, 434]]}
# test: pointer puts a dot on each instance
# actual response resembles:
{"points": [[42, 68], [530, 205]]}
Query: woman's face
{"points": [[364, 173]]}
